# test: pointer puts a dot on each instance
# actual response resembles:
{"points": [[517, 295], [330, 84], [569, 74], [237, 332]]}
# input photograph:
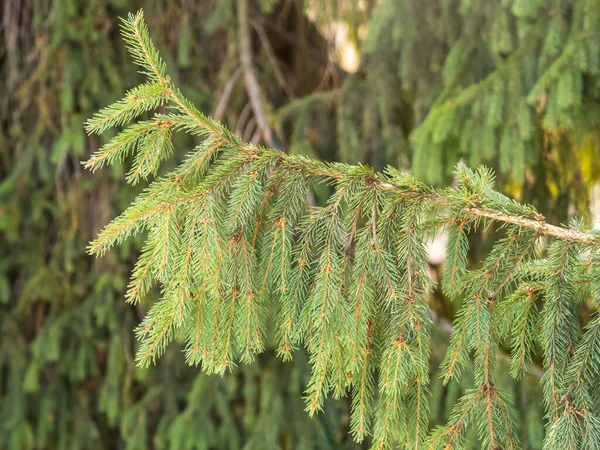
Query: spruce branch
{"points": [[232, 237]]}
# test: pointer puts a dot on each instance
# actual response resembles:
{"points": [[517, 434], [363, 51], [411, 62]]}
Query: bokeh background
{"points": [[417, 84]]}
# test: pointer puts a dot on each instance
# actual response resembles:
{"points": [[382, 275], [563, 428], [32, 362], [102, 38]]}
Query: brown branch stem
{"points": [[252, 87]]}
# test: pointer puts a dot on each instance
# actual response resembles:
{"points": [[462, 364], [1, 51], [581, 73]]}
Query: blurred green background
{"points": [[421, 85]]}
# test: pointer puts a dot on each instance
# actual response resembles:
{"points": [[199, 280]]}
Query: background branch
{"points": [[250, 81], [219, 110]]}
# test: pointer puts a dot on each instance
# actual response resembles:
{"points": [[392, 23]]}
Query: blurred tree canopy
{"points": [[512, 84]]}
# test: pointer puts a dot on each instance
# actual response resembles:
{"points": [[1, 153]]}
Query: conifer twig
{"points": [[231, 228]]}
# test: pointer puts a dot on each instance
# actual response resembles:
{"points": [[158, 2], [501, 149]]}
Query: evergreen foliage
{"points": [[238, 249], [509, 84], [67, 374]]}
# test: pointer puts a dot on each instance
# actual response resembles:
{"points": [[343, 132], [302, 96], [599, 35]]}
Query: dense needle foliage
{"points": [[239, 250]]}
